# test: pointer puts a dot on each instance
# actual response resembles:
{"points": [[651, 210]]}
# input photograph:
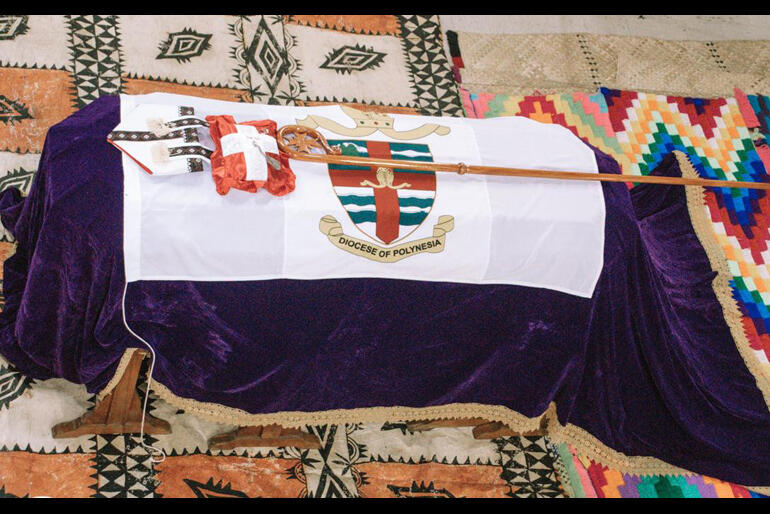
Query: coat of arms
{"points": [[385, 203]]}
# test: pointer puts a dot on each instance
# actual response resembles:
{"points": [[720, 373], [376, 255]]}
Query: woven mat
{"points": [[566, 63], [52, 65]]}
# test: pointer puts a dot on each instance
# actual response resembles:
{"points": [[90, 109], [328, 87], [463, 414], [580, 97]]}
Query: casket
{"points": [[589, 308]]}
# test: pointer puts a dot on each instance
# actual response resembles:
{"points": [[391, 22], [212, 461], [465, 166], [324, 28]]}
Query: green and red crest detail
{"points": [[387, 205]]}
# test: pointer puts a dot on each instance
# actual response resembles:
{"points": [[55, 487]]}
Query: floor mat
{"points": [[53, 65], [521, 64]]}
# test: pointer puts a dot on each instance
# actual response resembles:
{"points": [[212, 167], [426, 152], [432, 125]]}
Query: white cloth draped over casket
{"points": [[452, 228]]}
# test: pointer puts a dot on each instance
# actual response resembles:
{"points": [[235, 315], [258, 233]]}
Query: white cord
{"points": [[152, 450]]}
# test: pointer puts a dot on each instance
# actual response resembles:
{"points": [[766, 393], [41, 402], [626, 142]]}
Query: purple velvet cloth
{"points": [[647, 365]]}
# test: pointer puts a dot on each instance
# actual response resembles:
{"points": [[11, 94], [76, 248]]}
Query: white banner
{"points": [[345, 222]]}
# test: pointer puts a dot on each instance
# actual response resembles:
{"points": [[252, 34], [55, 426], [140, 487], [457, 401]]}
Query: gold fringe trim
{"points": [[297, 419], [585, 443], [591, 447], [704, 229]]}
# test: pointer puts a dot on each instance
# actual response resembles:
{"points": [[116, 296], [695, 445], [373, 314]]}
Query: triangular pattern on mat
{"points": [[528, 467], [123, 468], [95, 57], [433, 83]]}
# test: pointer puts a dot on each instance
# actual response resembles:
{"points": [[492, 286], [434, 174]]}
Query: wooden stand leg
{"points": [[496, 429], [120, 412], [482, 429], [267, 435]]}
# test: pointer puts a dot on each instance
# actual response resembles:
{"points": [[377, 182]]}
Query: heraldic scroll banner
{"points": [[434, 244]]}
